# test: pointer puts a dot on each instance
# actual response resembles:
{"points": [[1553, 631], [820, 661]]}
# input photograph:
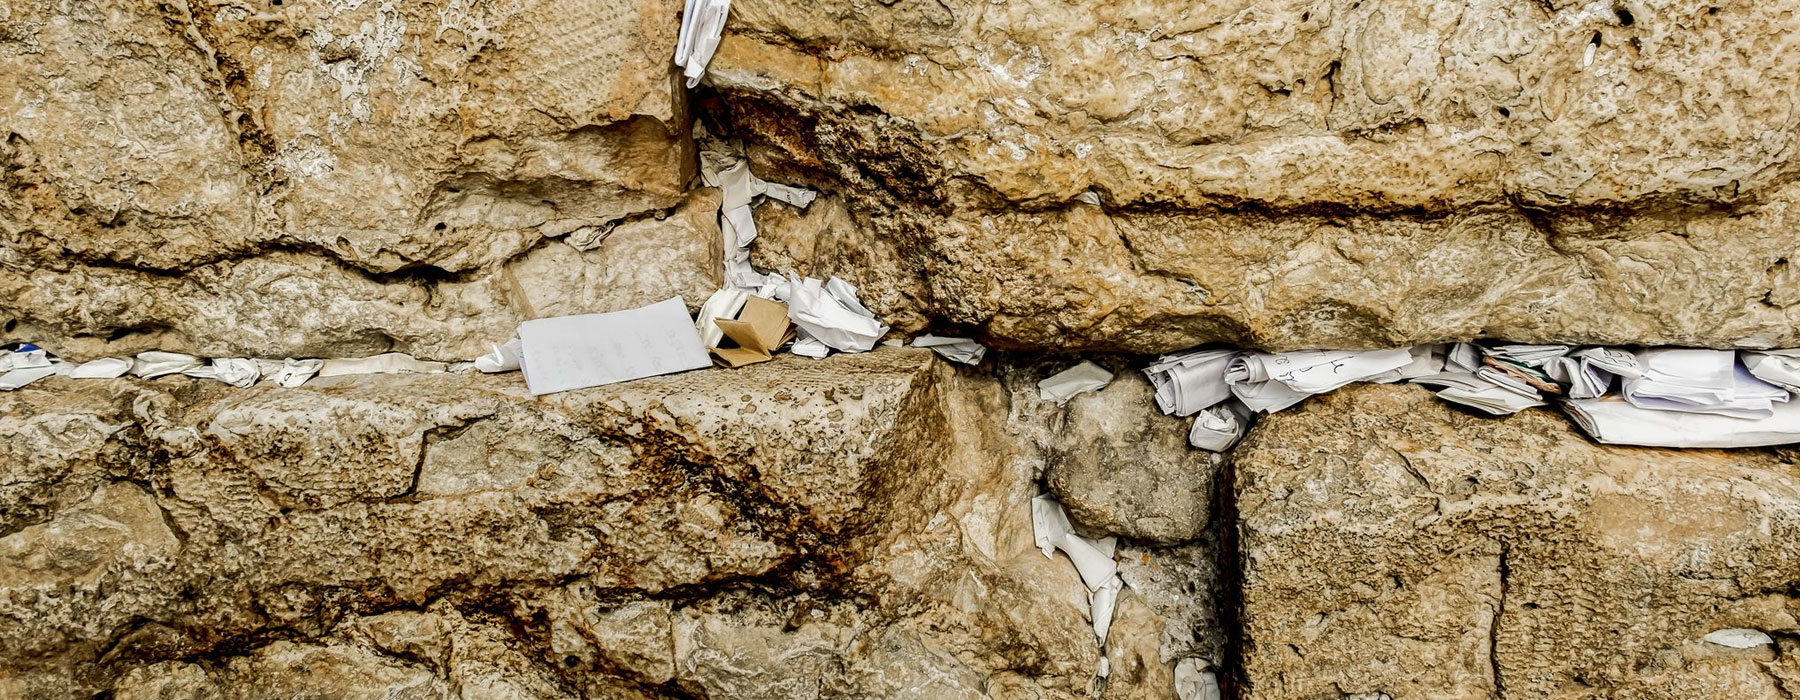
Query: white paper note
{"points": [[574, 352], [103, 368], [1081, 378], [1778, 367], [1219, 427], [387, 363], [236, 371], [1739, 638], [1615, 421], [504, 358], [961, 350], [18, 378], [1101, 603], [1187, 382], [155, 363]]}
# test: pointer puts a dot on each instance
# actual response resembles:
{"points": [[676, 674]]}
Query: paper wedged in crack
{"points": [[755, 332], [1701, 381], [1218, 427], [1102, 602], [103, 368], [504, 358], [828, 314], [1187, 382], [155, 363], [236, 371], [1739, 638], [1616, 421], [963, 350], [574, 352], [1778, 367], [1080, 379], [386, 363]]}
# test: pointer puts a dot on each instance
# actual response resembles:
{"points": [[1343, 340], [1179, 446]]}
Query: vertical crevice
{"points": [[1505, 574], [1229, 598]]}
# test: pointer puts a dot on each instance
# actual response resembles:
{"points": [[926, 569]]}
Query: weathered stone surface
{"points": [[329, 178], [1118, 465], [1293, 174], [857, 526], [1391, 544]]}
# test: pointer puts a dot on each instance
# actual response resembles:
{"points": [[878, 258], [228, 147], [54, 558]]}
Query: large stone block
{"points": [[1294, 174], [1391, 544], [335, 178], [790, 529]]}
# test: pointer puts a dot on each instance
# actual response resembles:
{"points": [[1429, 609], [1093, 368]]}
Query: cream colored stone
{"points": [[1293, 175], [1416, 550], [335, 178], [854, 526], [1118, 465]]}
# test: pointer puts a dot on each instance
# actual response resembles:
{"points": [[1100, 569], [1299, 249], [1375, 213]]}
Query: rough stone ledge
{"points": [[856, 526], [1390, 543]]}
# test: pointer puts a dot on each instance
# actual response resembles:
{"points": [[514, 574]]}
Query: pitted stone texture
{"points": [[296, 305], [287, 179], [1392, 544], [840, 525], [1118, 465], [1294, 175]]}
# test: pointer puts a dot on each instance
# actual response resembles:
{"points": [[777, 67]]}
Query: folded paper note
{"points": [[1081, 378], [725, 303], [18, 378], [1194, 680], [1101, 603], [760, 328], [504, 358], [389, 363], [1701, 381], [153, 364], [1271, 382], [961, 350], [829, 313], [1778, 367], [574, 352], [1616, 421], [1051, 530], [702, 23], [103, 368], [236, 371], [24, 356], [291, 373], [1739, 638], [1187, 382], [1220, 426]]}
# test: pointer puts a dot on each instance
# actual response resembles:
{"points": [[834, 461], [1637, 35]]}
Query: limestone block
{"points": [[1291, 175], [1391, 544], [833, 527]]}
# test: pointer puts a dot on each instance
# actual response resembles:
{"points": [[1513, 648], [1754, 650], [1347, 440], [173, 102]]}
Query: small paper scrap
{"points": [[1081, 378], [388, 363], [103, 368], [961, 350], [504, 358], [753, 334], [156, 363], [1739, 638], [236, 371]]}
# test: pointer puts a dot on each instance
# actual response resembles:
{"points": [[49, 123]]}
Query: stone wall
{"points": [[344, 177], [854, 527]]}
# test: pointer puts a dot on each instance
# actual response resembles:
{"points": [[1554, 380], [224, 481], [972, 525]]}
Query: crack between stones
{"points": [[1505, 573]]}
